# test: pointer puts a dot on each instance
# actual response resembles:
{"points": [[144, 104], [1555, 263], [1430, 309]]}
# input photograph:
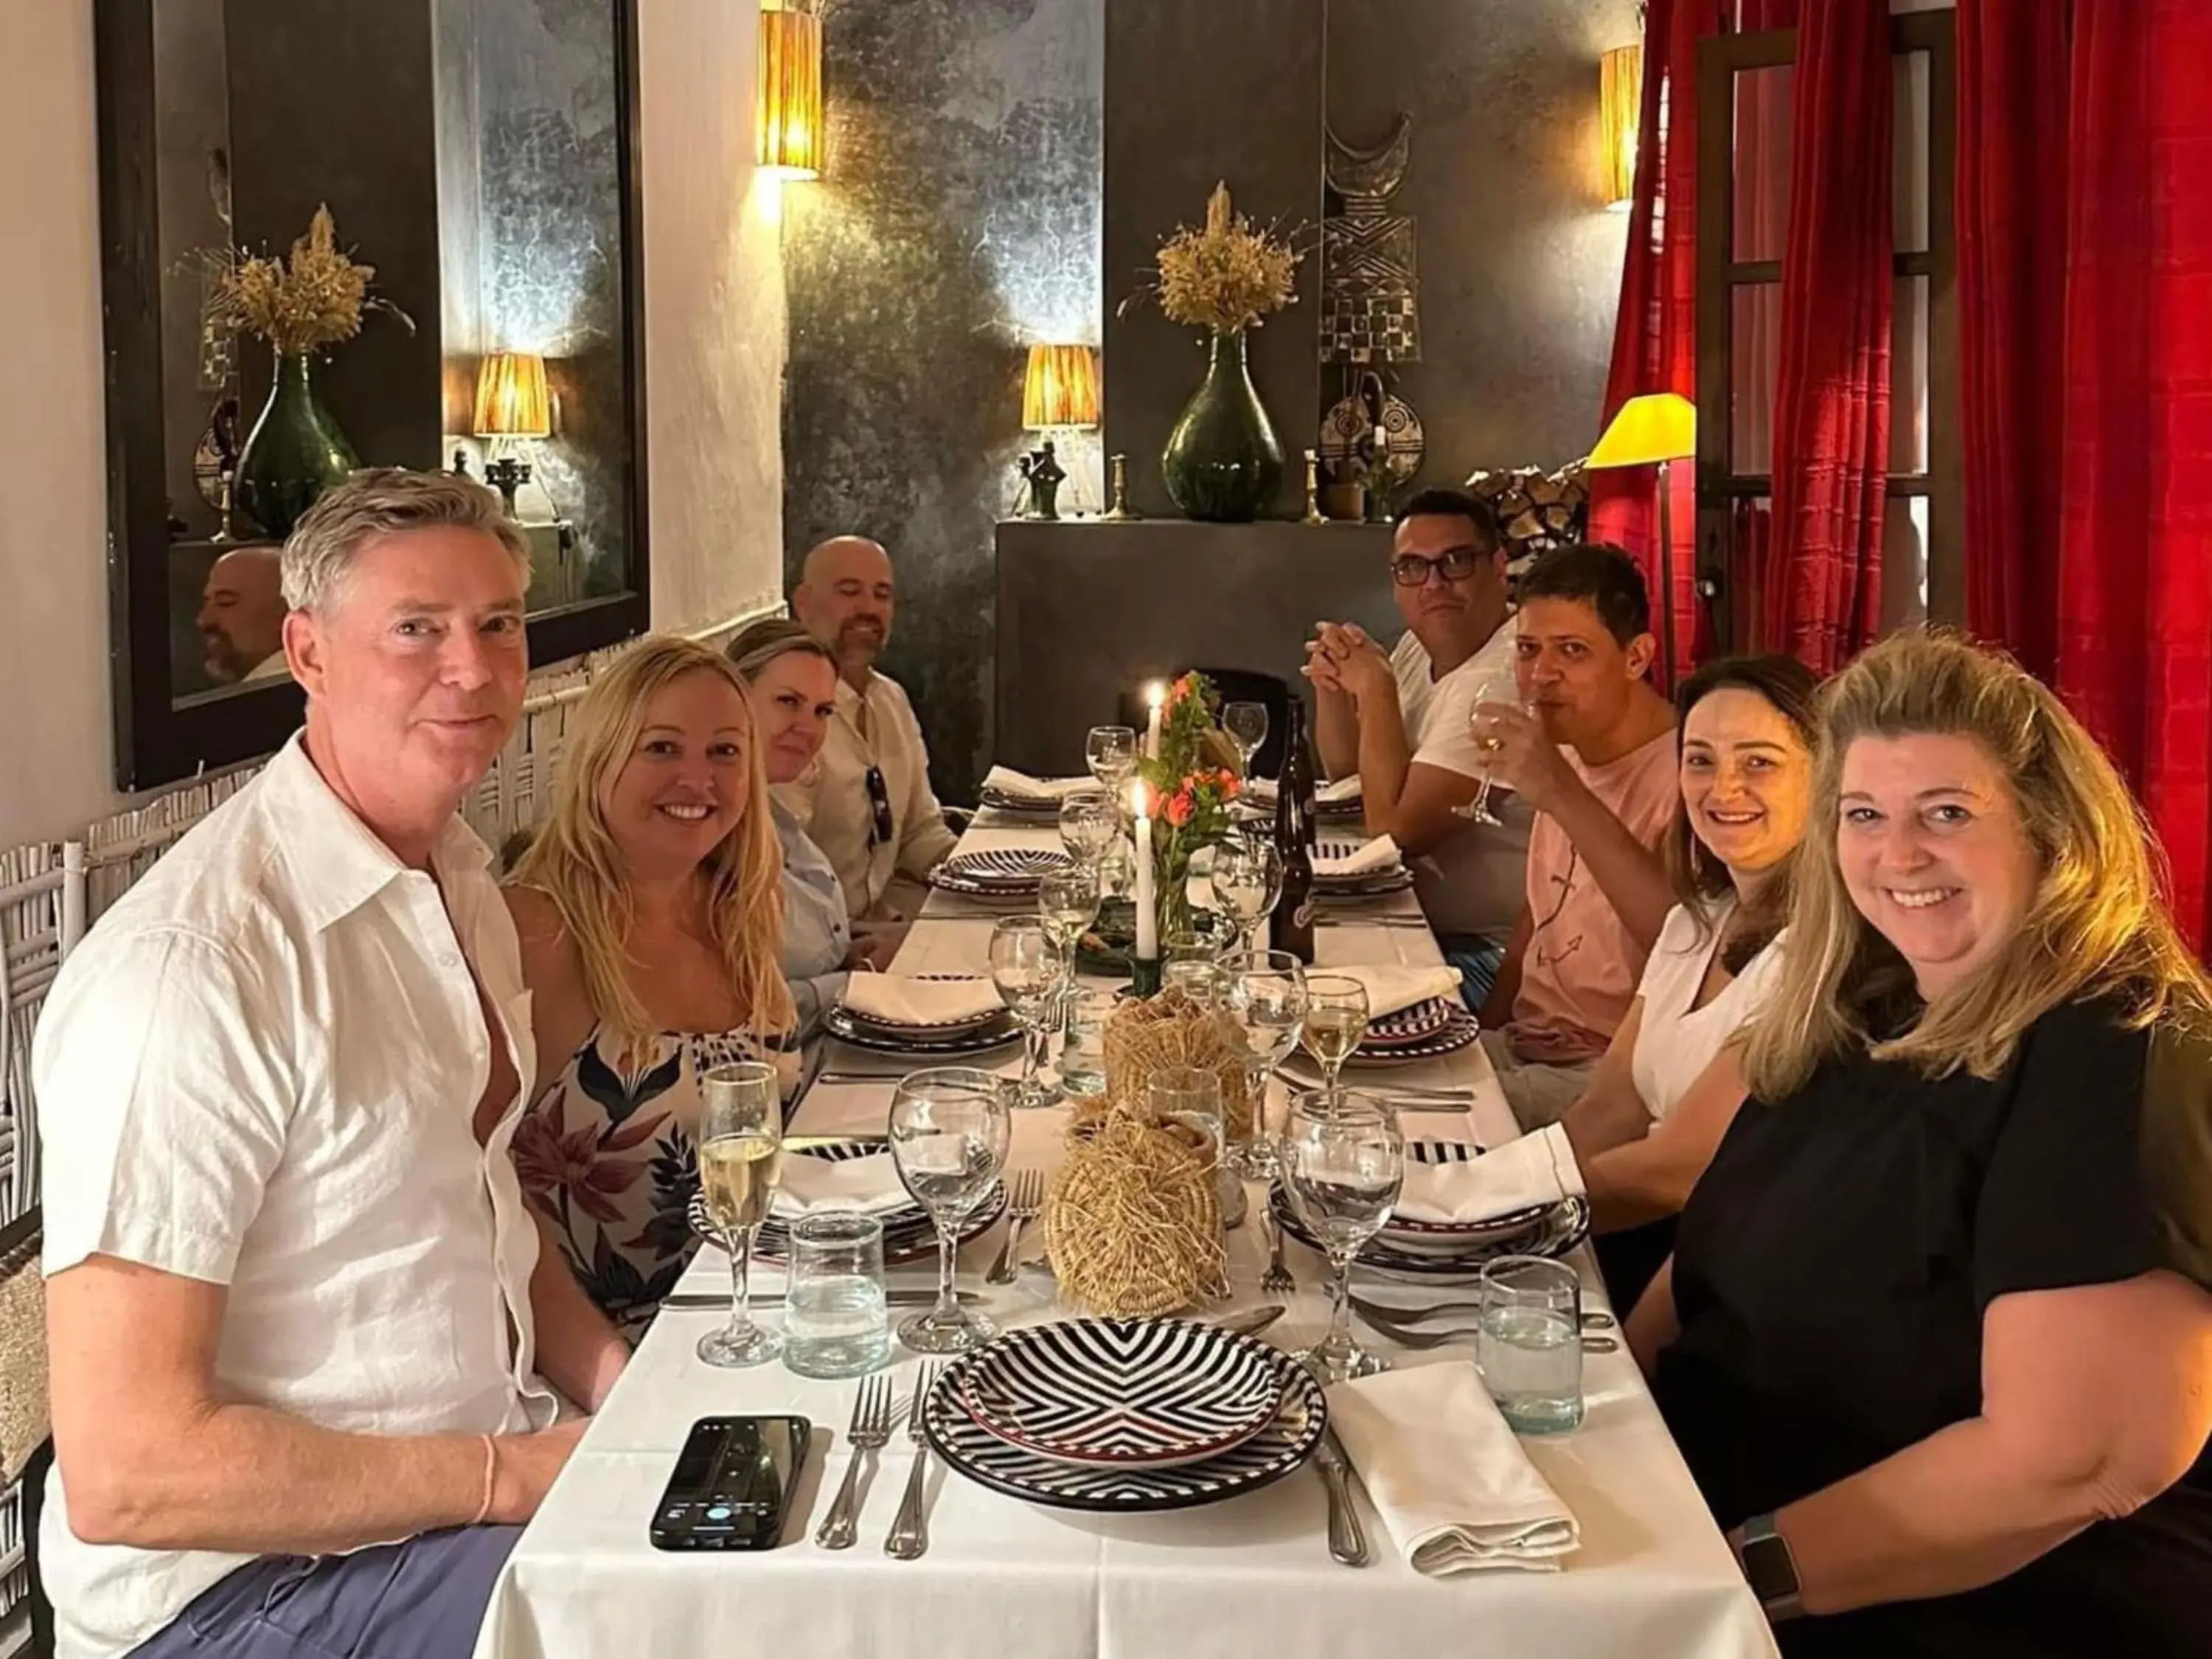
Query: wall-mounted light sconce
{"points": [[789, 115], [1620, 116]]}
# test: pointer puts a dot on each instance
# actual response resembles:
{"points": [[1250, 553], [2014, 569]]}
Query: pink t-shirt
{"points": [[1582, 967]]}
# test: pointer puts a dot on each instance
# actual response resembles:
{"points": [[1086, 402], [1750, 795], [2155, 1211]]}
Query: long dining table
{"points": [[1653, 1578]]}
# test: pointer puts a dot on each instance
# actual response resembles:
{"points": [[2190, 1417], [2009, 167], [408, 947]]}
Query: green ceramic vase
{"points": [[1223, 461], [295, 452]]}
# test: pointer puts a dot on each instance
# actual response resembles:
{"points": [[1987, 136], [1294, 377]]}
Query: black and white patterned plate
{"points": [[1565, 1224], [1282, 1446], [1005, 870], [1123, 1394], [908, 1233], [915, 1041], [1409, 1233], [1016, 804], [956, 1023], [1460, 1029], [1410, 1024]]}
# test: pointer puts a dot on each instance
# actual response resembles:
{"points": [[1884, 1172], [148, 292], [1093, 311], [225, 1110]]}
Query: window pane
{"points": [[1908, 376], [1904, 563], [1764, 102], [1754, 350], [1909, 157], [1751, 534]]}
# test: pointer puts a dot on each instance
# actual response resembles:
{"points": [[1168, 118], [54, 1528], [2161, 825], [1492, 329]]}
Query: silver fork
{"points": [[1023, 1205], [910, 1534], [870, 1433], [1276, 1280]]}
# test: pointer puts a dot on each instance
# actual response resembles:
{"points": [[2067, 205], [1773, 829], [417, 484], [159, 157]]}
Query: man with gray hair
{"points": [[304, 1342]]}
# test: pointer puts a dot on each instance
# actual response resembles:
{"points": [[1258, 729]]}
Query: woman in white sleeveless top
{"points": [[1668, 1086], [650, 914]]}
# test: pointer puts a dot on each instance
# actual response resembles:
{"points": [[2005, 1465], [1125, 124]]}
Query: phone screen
{"points": [[732, 1485]]}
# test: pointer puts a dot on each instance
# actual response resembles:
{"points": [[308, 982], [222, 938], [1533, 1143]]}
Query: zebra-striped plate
{"points": [[1007, 871], [1423, 1019], [1123, 1394], [1457, 1032]]}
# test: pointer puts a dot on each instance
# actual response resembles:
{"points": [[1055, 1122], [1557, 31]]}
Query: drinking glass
{"points": [[1189, 1096], [836, 1321], [1336, 1020], [1190, 963], [1117, 869], [1090, 823], [1343, 1162], [1264, 993], [1529, 1343], [1248, 880], [1083, 1045], [950, 1127], [1492, 687], [1025, 967], [740, 1155], [1110, 752], [1067, 900], [1246, 723]]}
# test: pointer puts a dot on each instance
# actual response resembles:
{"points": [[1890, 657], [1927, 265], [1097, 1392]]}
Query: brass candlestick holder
{"points": [[1118, 512], [1314, 514]]}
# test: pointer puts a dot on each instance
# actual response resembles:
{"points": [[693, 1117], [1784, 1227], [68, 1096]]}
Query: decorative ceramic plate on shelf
{"points": [[1459, 1030], [1280, 1447], [1564, 1226], [916, 1042], [998, 872], [1123, 1394]]}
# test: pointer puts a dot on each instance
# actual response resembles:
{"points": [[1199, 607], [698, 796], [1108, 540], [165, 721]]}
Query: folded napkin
{"points": [[1392, 990], [809, 1186], [1370, 859], [1005, 780], [1455, 1492], [896, 1000], [1537, 1168], [1335, 792]]}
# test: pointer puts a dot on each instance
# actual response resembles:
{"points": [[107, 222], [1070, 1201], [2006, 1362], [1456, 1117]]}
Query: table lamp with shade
{"points": [[1654, 430], [1059, 394], [514, 407]]}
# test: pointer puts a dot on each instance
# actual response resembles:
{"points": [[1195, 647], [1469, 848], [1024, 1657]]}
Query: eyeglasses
{"points": [[1456, 565], [880, 803]]}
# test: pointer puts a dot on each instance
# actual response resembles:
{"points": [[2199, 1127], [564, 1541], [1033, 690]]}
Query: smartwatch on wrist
{"points": [[1769, 1569]]}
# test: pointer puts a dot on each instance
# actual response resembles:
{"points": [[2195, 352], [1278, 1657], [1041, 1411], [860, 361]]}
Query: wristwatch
{"points": [[1769, 1568]]}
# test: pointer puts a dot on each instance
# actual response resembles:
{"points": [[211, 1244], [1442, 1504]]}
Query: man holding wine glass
{"points": [[1400, 719]]}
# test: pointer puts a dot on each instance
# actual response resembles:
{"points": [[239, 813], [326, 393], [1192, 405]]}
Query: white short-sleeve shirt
{"points": [[1673, 1041], [261, 1070]]}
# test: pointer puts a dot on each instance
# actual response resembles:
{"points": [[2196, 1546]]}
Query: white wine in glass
{"points": [[1336, 1021], [737, 1176], [740, 1156]]}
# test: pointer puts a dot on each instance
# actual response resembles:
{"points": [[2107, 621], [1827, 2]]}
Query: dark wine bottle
{"points": [[1292, 925]]}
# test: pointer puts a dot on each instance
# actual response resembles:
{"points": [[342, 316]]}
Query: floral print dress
{"points": [[607, 1157]]}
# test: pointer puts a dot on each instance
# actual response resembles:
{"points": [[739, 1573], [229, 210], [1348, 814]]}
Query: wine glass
{"points": [[1067, 900], [1025, 967], [1248, 880], [1336, 1020], [950, 1127], [740, 1155], [1090, 823], [1264, 993], [1343, 1162], [1246, 723], [1110, 752], [1499, 687]]}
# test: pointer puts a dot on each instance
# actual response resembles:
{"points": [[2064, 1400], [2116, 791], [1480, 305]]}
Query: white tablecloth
{"points": [[1653, 1578]]}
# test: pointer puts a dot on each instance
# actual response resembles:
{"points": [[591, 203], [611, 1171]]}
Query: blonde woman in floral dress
{"points": [[650, 913]]}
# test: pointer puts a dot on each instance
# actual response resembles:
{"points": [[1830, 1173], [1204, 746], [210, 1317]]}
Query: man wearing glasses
{"points": [[866, 801], [1400, 720]]}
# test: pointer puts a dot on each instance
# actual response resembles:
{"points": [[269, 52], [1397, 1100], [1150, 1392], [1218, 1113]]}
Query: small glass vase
{"points": [[295, 452]]}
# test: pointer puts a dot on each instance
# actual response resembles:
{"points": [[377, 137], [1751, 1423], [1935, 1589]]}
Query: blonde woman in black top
{"points": [[1935, 1338]]}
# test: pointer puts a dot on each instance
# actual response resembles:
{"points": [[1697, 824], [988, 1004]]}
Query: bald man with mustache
{"points": [[866, 801]]}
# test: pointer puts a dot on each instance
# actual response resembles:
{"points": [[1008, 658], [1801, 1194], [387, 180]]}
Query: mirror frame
{"points": [[158, 741]]}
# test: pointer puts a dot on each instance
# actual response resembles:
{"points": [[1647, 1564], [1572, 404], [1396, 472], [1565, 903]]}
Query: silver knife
{"points": [[1252, 1321], [1347, 1539]]}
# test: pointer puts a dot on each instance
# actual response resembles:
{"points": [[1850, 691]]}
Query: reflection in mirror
{"points": [[231, 595]]}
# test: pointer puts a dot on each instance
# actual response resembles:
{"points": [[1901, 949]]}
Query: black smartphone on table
{"points": [[733, 1483]]}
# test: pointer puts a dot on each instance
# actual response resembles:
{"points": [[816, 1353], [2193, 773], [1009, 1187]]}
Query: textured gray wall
{"points": [[1520, 263], [956, 220]]}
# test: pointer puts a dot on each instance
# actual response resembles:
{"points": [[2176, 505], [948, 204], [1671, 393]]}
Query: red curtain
{"points": [[1655, 341], [1822, 585]]}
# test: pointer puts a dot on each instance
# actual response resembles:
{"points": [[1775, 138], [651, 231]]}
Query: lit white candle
{"points": [[1155, 695], [1148, 922]]}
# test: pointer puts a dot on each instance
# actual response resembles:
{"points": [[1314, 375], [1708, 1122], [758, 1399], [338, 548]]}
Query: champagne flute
{"points": [[1090, 823], [1265, 997], [949, 1128], [1110, 752], [1248, 880], [1491, 687], [740, 1155], [1343, 1162], [1025, 967], [1067, 900], [1246, 723], [1336, 1021]]}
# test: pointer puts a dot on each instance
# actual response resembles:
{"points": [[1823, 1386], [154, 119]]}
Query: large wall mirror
{"points": [[480, 155]]}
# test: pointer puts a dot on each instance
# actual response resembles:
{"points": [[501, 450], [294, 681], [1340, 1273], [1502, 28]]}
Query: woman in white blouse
{"points": [[1669, 1084]]}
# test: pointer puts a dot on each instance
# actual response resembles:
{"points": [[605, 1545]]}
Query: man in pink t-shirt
{"points": [[1593, 751]]}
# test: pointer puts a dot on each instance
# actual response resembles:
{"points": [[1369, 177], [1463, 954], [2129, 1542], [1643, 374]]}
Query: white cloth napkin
{"points": [[1391, 989], [1370, 859], [1335, 792], [896, 1000], [809, 1186], [1455, 1489], [1537, 1168], [1005, 780]]}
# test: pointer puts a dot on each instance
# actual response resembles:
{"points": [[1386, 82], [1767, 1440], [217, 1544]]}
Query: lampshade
{"points": [[1620, 113], [1660, 426], [789, 114], [1062, 387], [512, 401]]}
